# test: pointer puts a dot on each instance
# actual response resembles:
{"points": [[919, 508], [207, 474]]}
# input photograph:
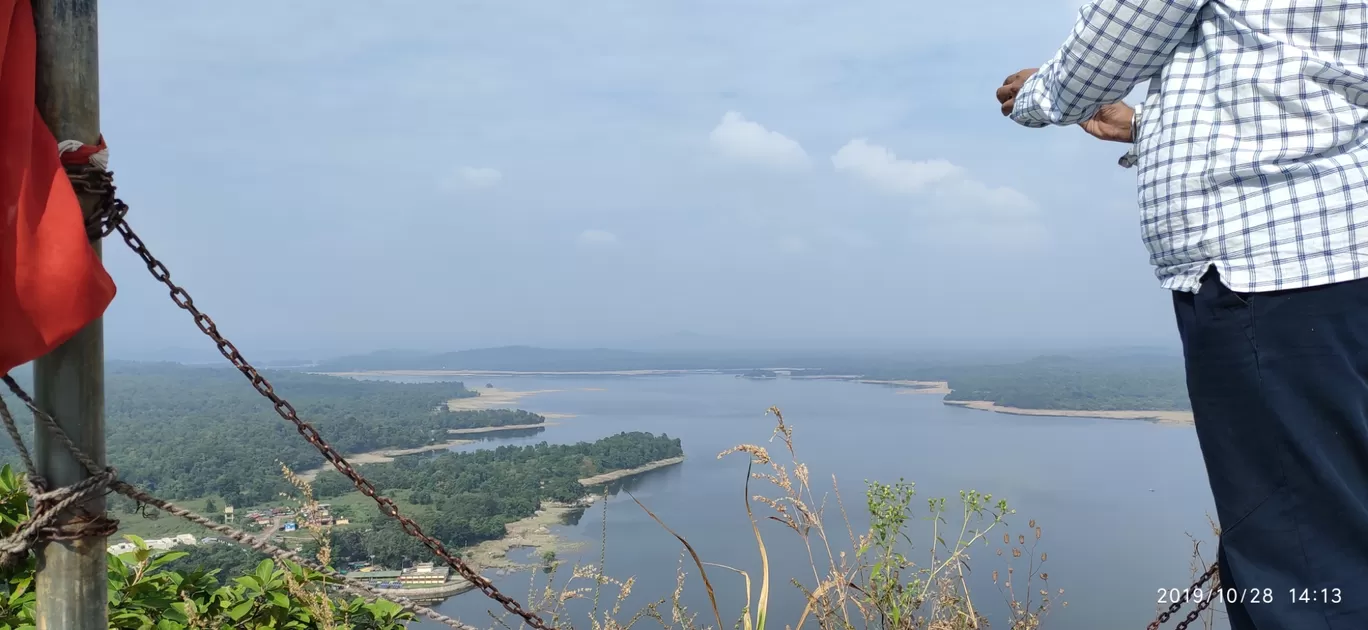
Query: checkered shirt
{"points": [[1252, 143]]}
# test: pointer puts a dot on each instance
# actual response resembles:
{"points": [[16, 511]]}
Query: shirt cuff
{"points": [[1132, 157], [1025, 111]]}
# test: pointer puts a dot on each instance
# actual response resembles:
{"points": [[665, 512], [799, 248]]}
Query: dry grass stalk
{"points": [[314, 596]]}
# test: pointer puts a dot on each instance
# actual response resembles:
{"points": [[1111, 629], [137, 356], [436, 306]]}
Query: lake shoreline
{"points": [[1169, 417], [534, 532], [384, 456], [912, 387], [614, 475], [1159, 417], [504, 427]]}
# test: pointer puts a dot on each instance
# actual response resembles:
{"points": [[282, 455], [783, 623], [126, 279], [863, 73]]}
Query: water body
{"points": [[1115, 498]]}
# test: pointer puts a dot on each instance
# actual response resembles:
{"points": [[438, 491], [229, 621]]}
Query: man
{"points": [[1252, 147]]}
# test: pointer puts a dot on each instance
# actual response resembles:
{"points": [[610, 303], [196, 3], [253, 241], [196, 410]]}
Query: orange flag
{"points": [[51, 282]]}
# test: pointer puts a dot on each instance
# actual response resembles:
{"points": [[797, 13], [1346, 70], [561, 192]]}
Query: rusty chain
{"points": [[1201, 604], [107, 218]]}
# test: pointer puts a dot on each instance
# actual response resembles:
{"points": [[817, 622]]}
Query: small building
{"points": [[425, 574], [374, 576]]}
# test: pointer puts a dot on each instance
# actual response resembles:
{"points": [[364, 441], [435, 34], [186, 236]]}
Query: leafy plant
{"points": [[144, 593]]}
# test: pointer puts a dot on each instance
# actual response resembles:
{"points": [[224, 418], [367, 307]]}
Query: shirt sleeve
{"points": [[1132, 156], [1114, 46]]}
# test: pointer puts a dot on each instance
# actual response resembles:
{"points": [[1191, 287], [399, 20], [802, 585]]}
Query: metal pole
{"points": [[68, 383]]}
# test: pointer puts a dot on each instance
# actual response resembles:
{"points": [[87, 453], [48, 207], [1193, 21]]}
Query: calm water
{"points": [[1116, 499]]}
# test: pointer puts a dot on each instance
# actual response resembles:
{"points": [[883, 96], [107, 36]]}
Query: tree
{"points": [[210, 507]]}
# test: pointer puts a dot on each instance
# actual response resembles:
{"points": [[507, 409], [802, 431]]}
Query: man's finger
{"points": [[1007, 106], [1007, 92]]}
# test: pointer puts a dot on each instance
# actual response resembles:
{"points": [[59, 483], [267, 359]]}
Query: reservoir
{"points": [[1119, 502]]}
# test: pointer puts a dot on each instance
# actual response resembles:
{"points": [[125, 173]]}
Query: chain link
{"points": [[107, 218], [1201, 605]]}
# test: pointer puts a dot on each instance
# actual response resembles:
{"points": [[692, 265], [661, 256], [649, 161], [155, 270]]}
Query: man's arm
{"points": [[1114, 46]]}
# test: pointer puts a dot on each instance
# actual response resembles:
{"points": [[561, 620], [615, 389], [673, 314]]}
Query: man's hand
{"points": [[1112, 122], [1008, 92]]}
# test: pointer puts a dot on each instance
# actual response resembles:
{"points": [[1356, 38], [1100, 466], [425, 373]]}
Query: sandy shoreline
{"points": [[1161, 417], [615, 475], [493, 398], [385, 455], [915, 387], [505, 427], [514, 373], [532, 532], [535, 531]]}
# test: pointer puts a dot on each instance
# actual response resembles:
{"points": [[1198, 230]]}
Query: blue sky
{"points": [[343, 176]]}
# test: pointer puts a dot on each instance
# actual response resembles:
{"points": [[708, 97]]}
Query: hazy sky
{"points": [[334, 175]]}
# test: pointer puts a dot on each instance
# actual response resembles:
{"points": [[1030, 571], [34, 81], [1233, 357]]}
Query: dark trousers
{"points": [[1279, 389]]}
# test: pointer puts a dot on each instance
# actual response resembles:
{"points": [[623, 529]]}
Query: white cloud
{"points": [[468, 177], [597, 238], [750, 142], [883, 169]]}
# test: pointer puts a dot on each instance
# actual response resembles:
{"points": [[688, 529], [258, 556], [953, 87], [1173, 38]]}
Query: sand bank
{"points": [[533, 531], [505, 427], [1162, 417], [915, 387], [622, 474], [493, 398], [386, 455], [515, 373]]}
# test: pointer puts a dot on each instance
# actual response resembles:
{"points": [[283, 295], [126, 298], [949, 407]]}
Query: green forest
{"points": [[461, 498], [187, 432]]}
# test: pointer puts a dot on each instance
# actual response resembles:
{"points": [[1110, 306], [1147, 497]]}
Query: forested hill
{"points": [[194, 431]]}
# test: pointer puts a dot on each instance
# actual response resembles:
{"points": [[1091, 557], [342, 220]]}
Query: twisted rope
{"points": [[16, 546], [50, 505]]}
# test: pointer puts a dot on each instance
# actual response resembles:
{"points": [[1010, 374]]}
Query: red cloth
{"points": [[51, 282]]}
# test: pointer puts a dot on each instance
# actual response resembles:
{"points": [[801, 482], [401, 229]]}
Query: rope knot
{"points": [[49, 506], [88, 169]]}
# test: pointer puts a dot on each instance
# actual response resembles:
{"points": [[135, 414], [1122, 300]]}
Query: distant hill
{"points": [[529, 359], [524, 358]]}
